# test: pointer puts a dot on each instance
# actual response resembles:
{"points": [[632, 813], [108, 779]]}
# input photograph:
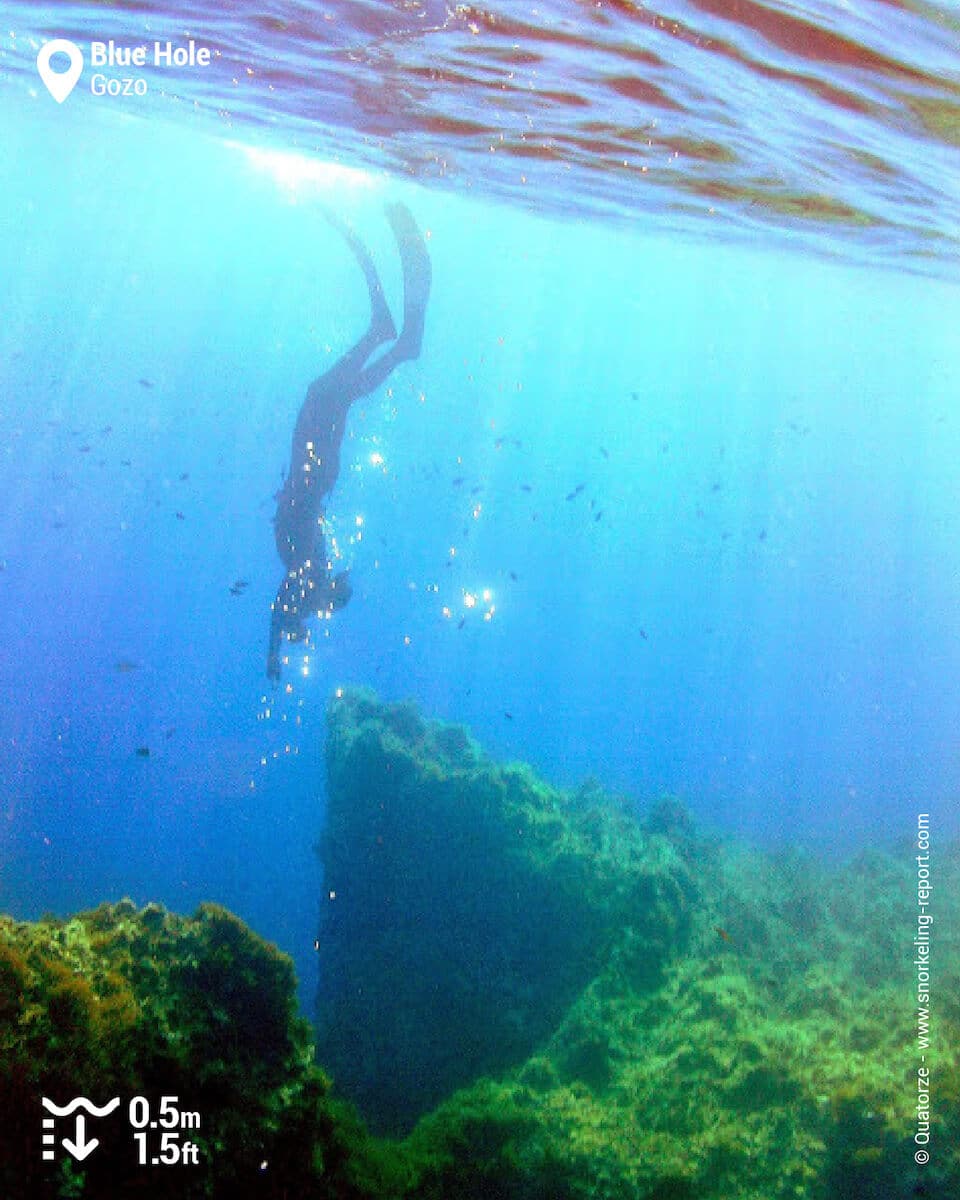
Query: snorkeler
{"points": [[309, 587]]}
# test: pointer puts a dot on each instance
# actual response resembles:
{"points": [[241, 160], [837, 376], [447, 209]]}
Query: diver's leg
{"points": [[330, 395]]}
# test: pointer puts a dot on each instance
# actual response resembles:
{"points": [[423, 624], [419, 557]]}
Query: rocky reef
{"points": [[626, 1007], [467, 905], [538, 995], [123, 1002]]}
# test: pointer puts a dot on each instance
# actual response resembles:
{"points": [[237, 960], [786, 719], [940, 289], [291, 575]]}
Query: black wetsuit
{"points": [[309, 586]]}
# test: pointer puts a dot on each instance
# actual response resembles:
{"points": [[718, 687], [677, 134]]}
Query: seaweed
{"points": [[538, 995], [121, 1002]]}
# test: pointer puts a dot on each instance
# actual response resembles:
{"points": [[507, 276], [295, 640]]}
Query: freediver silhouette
{"points": [[309, 586]]}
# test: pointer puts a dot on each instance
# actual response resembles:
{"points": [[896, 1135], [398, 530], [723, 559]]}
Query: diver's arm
{"points": [[285, 618], [273, 650]]}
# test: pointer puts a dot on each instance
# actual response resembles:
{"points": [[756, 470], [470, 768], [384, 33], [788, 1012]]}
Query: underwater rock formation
{"points": [[764, 1065], [466, 906], [648, 1013], [121, 1002], [590, 1005]]}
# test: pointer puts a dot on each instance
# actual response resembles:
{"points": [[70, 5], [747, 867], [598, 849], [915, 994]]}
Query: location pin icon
{"points": [[60, 83]]}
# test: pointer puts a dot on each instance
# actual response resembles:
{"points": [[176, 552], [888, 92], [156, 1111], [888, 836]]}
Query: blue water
{"points": [[751, 602]]}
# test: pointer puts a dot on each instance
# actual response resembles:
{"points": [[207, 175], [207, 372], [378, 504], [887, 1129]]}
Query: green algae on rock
{"points": [[467, 905], [764, 1066], [705, 1021], [121, 1002]]}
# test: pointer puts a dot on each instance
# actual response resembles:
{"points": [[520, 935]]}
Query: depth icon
{"points": [[60, 83]]}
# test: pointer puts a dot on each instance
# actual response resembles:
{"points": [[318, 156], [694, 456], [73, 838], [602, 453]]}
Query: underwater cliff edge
{"points": [[524, 993]]}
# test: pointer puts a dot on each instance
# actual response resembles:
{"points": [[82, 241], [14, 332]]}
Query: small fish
{"points": [[576, 491], [125, 462], [125, 665], [105, 430], [599, 515], [762, 535], [525, 487], [508, 715], [180, 516], [722, 933], [605, 453], [184, 476], [458, 481], [145, 383], [84, 449], [634, 395], [643, 634], [143, 752], [513, 576]]}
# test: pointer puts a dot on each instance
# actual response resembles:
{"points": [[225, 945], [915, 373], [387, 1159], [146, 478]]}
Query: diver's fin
{"points": [[382, 328], [417, 275]]}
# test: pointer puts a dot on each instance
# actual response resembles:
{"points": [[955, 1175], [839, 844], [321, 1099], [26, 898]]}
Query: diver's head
{"points": [[306, 591], [314, 591], [339, 591]]}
